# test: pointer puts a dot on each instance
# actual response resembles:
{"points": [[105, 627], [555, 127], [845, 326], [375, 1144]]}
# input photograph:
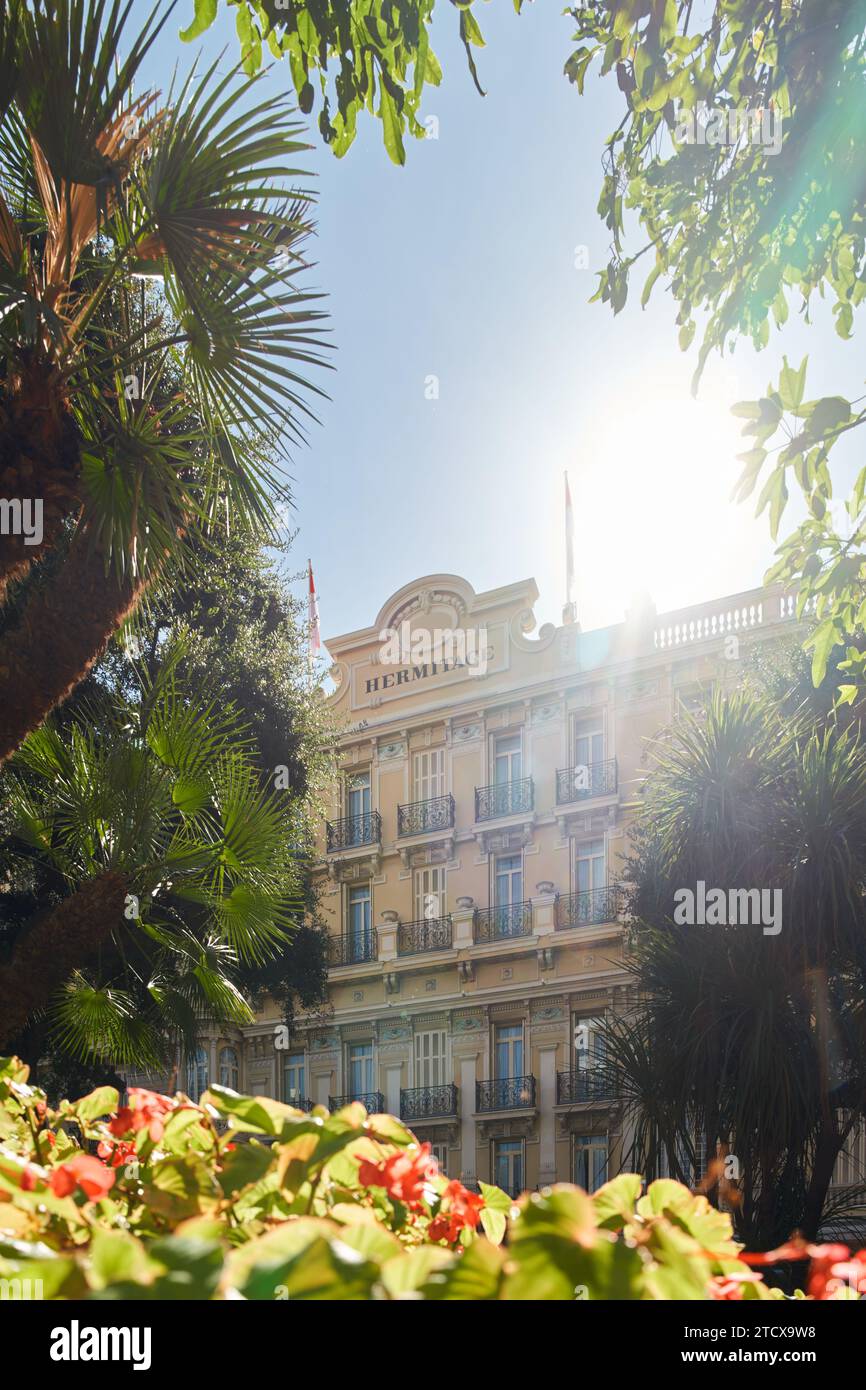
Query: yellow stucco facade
{"points": [[471, 860]]}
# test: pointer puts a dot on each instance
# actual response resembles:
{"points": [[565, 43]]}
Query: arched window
{"points": [[196, 1074], [229, 1070]]}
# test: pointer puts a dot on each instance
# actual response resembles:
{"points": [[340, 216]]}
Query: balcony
{"points": [[501, 923], [585, 781], [505, 1093], [585, 1084], [353, 948], [588, 909], [426, 817], [428, 1103], [430, 934], [300, 1103], [372, 1101], [353, 832], [504, 799]]}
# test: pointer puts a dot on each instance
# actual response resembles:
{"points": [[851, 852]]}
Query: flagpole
{"points": [[314, 641]]}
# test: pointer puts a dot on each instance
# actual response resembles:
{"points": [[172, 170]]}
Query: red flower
{"points": [[83, 1171], [118, 1153], [829, 1263], [145, 1111], [724, 1289], [402, 1175], [730, 1286], [847, 1273], [28, 1179], [464, 1209], [826, 1261]]}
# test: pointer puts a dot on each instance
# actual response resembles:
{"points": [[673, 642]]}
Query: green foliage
{"points": [[176, 397], [362, 55], [742, 1042], [160, 792], [740, 231], [241, 1197]]}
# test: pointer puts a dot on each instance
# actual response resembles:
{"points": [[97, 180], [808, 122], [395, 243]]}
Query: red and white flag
{"points": [[569, 545], [313, 615]]}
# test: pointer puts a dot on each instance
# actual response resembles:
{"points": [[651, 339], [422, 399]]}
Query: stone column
{"points": [[461, 921], [388, 928], [544, 909], [392, 1088], [468, 1072], [547, 1121]]}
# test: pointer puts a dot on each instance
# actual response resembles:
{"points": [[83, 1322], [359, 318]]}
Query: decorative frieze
{"points": [[468, 1023], [389, 751], [467, 733]]}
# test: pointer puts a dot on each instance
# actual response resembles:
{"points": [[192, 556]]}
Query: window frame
{"points": [[594, 1144], [351, 1089], [517, 1148], [290, 1062], [229, 1067], [497, 740]]}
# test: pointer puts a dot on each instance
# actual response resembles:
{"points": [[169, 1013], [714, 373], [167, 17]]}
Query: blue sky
{"points": [[461, 265]]}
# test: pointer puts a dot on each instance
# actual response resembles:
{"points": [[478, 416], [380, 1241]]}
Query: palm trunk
{"points": [[827, 1150], [40, 461], [51, 947], [63, 631]]}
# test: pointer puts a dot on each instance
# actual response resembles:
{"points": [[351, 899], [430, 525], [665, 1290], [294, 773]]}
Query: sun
{"points": [[651, 480]]}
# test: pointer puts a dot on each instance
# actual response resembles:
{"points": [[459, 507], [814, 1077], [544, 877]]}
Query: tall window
{"points": [[358, 806], [590, 866], [229, 1069], [428, 774], [508, 1051], [440, 1153], [294, 1078], [508, 880], [588, 740], [430, 1058], [360, 1068], [196, 1074], [360, 922], [508, 1165], [590, 1161], [429, 892], [588, 1043], [507, 759]]}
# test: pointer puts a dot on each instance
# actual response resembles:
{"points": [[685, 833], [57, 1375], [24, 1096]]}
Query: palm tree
{"points": [[152, 335], [741, 1045], [160, 867]]}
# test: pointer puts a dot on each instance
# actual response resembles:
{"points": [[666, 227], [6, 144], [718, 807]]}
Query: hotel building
{"points": [[471, 868]]}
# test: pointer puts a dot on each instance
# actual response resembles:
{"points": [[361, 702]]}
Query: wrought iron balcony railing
{"points": [[430, 934], [505, 1093], [504, 799], [586, 780], [354, 831], [421, 817], [373, 1101], [428, 1102], [499, 923], [583, 1084], [300, 1102], [352, 948], [587, 909]]}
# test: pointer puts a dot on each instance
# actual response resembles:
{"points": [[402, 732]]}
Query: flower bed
{"points": [[244, 1197]]}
